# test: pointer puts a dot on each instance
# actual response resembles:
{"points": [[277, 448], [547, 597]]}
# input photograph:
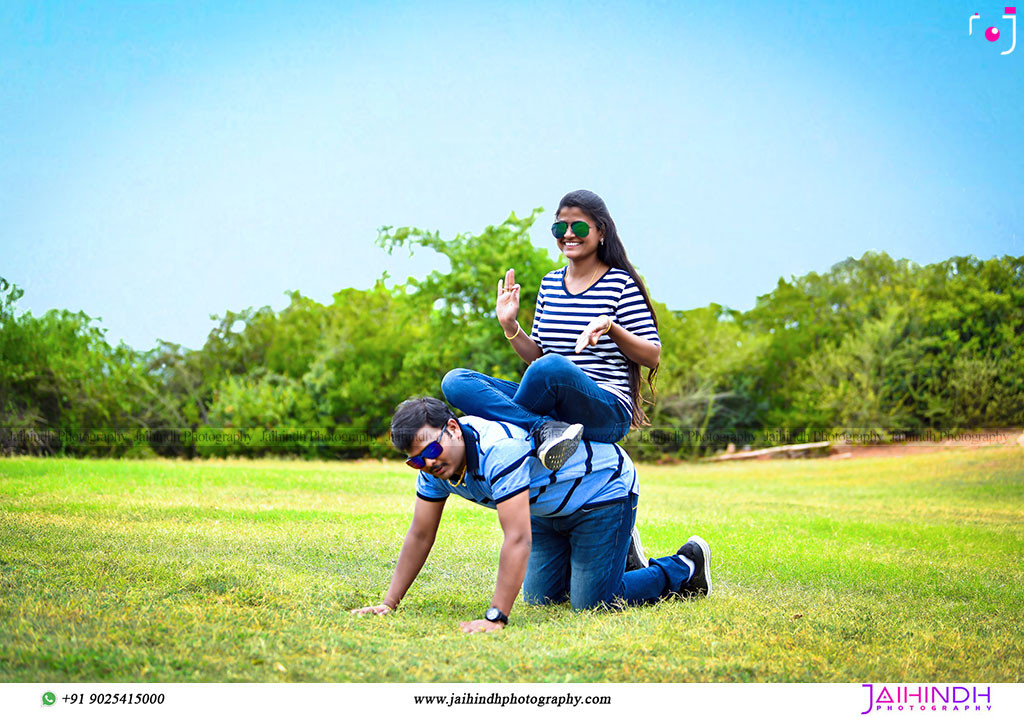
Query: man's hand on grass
{"points": [[381, 609], [481, 626]]}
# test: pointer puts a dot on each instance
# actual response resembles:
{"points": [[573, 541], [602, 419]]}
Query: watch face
{"points": [[492, 614]]}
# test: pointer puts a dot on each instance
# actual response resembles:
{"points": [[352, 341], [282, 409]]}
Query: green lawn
{"points": [[861, 570]]}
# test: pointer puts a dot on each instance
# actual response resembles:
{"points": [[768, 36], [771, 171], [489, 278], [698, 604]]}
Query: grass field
{"points": [[877, 570]]}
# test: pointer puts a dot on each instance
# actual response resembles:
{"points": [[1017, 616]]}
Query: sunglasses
{"points": [[432, 451], [580, 229]]}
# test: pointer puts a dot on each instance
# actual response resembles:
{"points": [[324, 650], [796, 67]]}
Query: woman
{"points": [[593, 329]]}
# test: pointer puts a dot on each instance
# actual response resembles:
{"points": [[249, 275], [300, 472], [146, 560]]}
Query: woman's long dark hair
{"points": [[613, 253]]}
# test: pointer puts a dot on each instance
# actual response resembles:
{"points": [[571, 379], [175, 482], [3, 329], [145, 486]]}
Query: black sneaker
{"points": [[699, 584], [635, 558], [555, 442]]}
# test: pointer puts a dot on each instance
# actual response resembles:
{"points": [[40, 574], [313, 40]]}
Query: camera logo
{"points": [[993, 33]]}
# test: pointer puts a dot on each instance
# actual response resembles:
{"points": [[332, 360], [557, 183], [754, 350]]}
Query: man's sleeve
{"points": [[430, 489], [508, 467]]}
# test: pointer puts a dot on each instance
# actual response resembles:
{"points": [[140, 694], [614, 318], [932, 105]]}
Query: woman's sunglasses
{"points": [[580, 229], [432, 451]]}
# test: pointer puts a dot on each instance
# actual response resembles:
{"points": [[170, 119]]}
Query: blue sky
{"points": [[165, 161]]}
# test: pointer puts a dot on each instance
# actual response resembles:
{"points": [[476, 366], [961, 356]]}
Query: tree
{"points": [[460, 303]]}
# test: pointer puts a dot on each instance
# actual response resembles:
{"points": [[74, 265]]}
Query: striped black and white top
{"points": [[561, 317]]}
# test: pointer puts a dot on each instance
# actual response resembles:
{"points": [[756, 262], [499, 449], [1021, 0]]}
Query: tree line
{"points": [[874, 344]]}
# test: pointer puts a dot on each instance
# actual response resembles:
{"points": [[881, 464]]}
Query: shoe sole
{"points": [[554, 456], [705, 549]]}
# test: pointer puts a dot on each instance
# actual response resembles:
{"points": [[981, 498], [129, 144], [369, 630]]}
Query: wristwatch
{"points": [[493, 614]]}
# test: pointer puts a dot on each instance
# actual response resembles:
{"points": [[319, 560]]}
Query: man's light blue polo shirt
{"points": [[501, 462]]}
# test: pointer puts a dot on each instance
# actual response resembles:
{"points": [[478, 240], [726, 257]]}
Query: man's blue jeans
{"points": [[552, 387], [582, 557]]}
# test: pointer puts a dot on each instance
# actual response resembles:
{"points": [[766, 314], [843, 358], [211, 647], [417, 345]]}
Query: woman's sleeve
{"points": [[538, 311], [633, 315]]}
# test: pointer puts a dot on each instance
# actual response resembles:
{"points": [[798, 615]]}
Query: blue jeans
{"points": [[552, 387], [582, 557]]}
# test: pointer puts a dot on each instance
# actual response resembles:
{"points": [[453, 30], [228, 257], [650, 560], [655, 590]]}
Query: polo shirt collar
{"points": [[471, 439]]}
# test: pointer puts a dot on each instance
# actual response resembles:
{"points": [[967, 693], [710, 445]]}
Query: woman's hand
{"points": [[381, 609], [507, 306], [597, 328]]}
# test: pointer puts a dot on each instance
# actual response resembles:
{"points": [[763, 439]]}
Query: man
{"points": [[566, 532]]}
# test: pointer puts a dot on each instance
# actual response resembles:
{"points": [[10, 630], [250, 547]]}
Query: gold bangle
{"points": [[609, 326], [518, 329]]}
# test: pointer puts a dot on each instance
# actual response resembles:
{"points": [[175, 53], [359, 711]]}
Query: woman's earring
{"points": [[602, 241]]}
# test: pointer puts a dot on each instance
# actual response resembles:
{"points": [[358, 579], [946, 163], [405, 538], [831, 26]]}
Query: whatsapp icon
{"points": [[49, 698]]}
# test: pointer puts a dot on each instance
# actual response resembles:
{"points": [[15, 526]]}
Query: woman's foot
{"points": [[555, 442]]}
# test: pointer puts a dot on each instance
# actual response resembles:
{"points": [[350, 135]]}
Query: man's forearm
{"points": [[515, 554], [414, 553]]}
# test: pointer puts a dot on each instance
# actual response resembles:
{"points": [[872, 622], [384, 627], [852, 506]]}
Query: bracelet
{"points": [[518, 329], [389, 607], [609, 326]]}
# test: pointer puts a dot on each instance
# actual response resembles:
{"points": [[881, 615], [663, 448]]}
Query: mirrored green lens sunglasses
{"points": [[580, 229]]}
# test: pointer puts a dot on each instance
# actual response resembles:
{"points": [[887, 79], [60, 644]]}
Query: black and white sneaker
{"points": [[699, 585], [635, 558], [555, 442]]}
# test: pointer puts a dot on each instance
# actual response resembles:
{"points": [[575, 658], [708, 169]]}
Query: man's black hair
{"points": [[414, 413]]}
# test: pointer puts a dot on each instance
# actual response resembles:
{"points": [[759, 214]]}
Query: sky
{"points": [[162, 162]]}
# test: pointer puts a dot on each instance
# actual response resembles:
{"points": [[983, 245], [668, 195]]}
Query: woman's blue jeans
{"points": [[552, 387], [582, 557]]}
